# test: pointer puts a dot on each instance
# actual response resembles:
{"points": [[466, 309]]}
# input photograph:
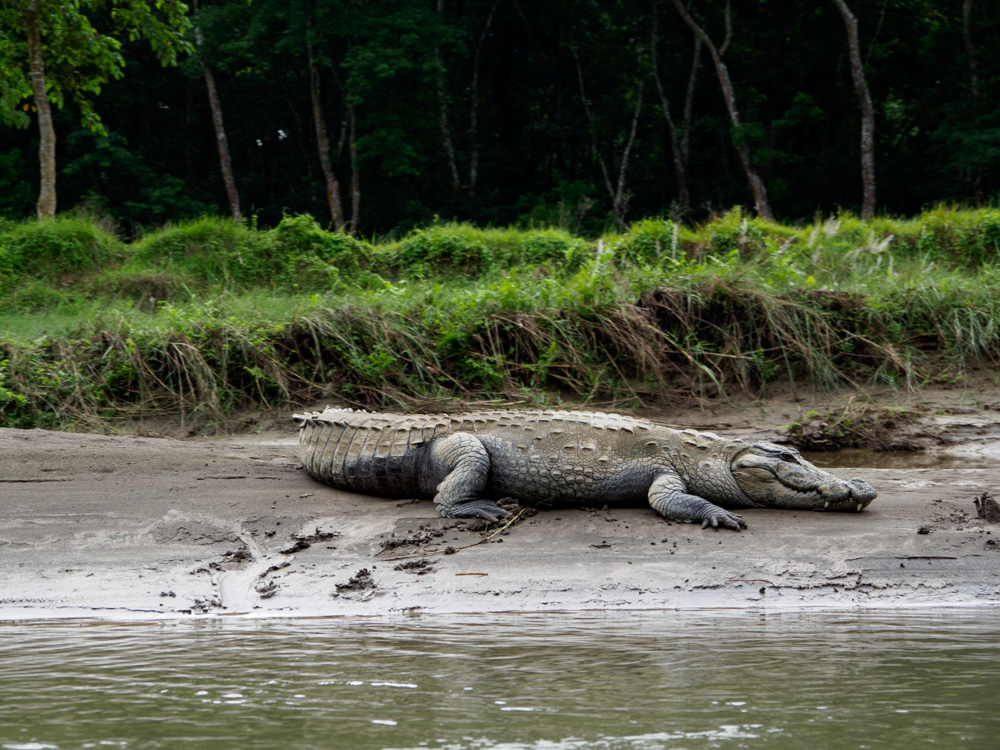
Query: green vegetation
{"points": [[206, 317]]}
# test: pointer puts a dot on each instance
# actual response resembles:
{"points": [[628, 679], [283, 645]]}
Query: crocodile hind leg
{"points": [[466, 465], [669, 498]]}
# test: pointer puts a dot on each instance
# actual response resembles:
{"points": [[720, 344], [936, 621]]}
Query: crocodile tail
{"points": [[376, 454]]}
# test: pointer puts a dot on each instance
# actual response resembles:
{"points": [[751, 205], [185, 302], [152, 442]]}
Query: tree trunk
{"points": [[446, 143], [689, 102], [761, 202], [970, 56], [621, 196], [618, 194], [970, 50], [47, 134], [323, 143], [680, 172], [442, 96], [190, 137], [474, 113], [355, 175], [220, 138], [225, 163], [446, 140], [867, 111]]}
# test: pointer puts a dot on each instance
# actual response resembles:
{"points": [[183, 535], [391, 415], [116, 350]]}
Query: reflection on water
{"points": [[620, 681]]}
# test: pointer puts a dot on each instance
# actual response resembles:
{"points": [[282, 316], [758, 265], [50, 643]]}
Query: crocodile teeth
{"points": [[860, 506], [826, 504]]}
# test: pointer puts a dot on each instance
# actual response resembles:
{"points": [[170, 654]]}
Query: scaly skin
{"points": [[468, 461]]}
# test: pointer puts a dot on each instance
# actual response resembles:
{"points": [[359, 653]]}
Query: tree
{"points": [[970, 56], [679, 143], [225, 163], [617, 191], [447, 144], [322, 140], [867, 111], [50, 50], [761, 202]]}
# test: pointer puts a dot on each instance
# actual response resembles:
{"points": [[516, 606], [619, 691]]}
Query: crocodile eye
{"points": [[786, 456]]}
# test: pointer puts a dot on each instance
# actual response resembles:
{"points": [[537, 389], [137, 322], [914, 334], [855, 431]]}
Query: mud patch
{"points": [[429, 537], [360, 587], [267, 587], [203, 606], [879, 428], [417, 567], [305, 541], [239, 556], [413, 536]]}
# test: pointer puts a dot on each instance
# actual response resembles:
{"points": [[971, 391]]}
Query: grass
{"points": [[208, 317]]}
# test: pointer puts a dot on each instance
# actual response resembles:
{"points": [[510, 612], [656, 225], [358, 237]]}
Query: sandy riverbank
{"points": [[135, 528]]}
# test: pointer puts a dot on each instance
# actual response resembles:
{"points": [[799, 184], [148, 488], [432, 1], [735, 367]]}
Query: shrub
{"points": [[52, 250], [979, 240], [219, 252], [461, 249], [298, 240], [734, 232], [450, 247], [213, 250], [652, 241], [550, 245]]}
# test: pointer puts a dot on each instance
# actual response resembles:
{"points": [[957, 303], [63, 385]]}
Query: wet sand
{"points": [[138, 528]]}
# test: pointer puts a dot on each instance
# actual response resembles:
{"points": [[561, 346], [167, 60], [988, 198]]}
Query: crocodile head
{"points": [[776, 476]]}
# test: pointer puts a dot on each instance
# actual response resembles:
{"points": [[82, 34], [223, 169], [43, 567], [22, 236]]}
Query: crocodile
{"points": [[466, 462]]}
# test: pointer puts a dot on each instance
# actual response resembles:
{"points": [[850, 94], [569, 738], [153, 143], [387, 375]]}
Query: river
{"points": [[614, 681]]}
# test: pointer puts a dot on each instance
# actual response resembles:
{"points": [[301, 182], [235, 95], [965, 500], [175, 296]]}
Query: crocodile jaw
{"points": [[775, 476]]}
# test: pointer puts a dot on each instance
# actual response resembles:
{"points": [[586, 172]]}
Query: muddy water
{"points": [[971, 456], [856, 458], [512, 682]]}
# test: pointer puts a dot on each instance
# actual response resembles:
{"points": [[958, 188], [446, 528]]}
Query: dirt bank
{"points": [[130, 527]]}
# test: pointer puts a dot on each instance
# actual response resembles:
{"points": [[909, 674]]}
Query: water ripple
{"points": [[531, 682]]}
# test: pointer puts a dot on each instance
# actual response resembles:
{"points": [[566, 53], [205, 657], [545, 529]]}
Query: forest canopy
{"points": [[380, 115]]}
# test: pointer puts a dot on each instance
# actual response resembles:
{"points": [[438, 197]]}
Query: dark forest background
{"points": [[546, 112]]}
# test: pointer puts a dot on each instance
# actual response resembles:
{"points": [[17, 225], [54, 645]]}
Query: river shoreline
{"points": [[136, 528]]}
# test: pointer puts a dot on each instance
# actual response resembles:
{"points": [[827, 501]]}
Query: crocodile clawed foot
{"points": [[724, 518], [475, 509]]}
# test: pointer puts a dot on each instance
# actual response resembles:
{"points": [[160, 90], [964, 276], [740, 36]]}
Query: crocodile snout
{"points": [[859, 495], [862, 492], [778, 477]]}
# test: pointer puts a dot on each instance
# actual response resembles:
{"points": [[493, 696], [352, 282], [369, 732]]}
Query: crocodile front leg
{"points": [[465, 464], [669, 497]]}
